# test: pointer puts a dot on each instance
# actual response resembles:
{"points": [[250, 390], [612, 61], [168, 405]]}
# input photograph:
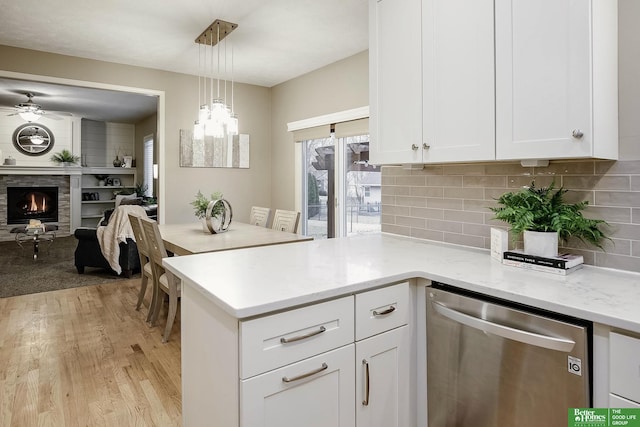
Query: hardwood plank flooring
{"points": [[86, 357]]}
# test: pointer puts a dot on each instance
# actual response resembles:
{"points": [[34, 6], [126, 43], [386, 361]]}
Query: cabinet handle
{"points": [[305, 375], [414, 147], [425, 146], [577, 133], [365, 402], [384, 312], [301, 337]]}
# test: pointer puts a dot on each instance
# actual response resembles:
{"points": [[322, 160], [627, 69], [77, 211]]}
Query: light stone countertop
{"points": [[255, 281]]}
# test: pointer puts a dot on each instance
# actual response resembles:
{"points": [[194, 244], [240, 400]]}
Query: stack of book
{"points": [[562, 264]]}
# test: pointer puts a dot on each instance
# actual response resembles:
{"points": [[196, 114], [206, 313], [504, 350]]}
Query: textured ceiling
{"points": [[276, 40]]}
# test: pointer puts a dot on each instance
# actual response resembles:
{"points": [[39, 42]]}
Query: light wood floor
{"points": [[85, 357]]}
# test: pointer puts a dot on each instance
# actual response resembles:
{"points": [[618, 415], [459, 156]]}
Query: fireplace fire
{"points": [[25, 203]]}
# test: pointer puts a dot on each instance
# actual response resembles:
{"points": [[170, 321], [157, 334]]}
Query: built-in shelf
{"points": [[92, 170], [89, 202], [107, 187], [92, 209]]}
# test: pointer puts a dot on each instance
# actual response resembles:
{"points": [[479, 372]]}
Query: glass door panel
{"points": [[362, 188], [319, 188], [341, 190]]}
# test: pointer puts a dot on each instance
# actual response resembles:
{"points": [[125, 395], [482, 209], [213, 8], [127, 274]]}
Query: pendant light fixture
{"points": [[215, 118]]}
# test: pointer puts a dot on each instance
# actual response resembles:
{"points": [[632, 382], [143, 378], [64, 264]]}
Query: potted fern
{"points": [[65, 157], [544, 217]]}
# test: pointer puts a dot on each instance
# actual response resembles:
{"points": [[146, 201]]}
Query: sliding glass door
{"points": [[341, 191]]}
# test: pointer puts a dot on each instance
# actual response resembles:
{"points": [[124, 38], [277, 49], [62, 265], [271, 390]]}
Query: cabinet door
{"points": [[624, 366], [395, 81], [295, 396], [543, 79], [382, 380], [458, 80]]}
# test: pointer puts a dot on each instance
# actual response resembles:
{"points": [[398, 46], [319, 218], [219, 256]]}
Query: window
{"points": [[147, 178]]}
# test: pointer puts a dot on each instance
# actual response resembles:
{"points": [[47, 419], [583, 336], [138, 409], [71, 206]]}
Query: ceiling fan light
{"points": [[29, 116], [36, 139]]}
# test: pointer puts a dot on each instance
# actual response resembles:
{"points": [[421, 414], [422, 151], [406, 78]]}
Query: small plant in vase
{"points": [[201, 203], [65, 157], [220, 210], [533, 210]]}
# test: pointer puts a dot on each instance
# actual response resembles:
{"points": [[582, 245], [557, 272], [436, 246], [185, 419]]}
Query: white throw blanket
{"points": [[117, 231]]}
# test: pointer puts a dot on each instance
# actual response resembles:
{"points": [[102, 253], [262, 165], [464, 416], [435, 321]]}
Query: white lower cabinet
{"points": [[382, 378], [299, 367], [314, 392], [624, 370]]}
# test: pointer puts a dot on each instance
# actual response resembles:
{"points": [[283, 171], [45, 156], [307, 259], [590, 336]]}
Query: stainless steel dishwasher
{"points": [[493, 364]]}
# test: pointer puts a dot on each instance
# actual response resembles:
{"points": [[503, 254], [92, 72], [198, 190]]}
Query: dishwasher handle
{"points": [[539, 340]]}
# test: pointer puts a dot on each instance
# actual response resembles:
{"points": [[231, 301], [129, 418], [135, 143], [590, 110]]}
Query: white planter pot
{"points": [[541, 243]]}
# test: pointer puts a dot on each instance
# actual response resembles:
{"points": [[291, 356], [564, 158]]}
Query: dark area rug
{"points": [[20, 274]]}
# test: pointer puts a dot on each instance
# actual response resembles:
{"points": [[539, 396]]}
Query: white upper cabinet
{"points": [[395, 81], [556, 79], [431, 78], [458, 115], [478, 80]]}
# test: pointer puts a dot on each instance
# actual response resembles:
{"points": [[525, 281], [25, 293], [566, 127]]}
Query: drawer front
{"points": [[273, 341], [625, 366], [381, 310], [318, 391]]}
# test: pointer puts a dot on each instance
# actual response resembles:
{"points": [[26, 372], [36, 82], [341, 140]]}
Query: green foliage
{"points": [[201, 203], [313, 197], [141, 189], [65, 156], [543, 209]]}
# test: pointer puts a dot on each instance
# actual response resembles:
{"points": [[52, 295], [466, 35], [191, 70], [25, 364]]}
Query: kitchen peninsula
{"points": [[232, 298]]}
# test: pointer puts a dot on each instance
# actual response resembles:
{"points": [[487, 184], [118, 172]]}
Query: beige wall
{"points": [[243, 187], [341, 86]]}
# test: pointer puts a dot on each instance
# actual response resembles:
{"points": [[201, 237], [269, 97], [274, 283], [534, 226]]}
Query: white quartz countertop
{"points": [[255, 281]]}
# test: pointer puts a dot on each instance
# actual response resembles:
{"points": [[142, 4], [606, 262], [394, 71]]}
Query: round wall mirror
{"points": [[33, 139]]}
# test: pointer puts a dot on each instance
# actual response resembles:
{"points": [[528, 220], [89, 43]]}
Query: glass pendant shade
{"points": [[198, 130], [29, 116], [219, 114], [203, 113], [232, 124], [219, 111]]}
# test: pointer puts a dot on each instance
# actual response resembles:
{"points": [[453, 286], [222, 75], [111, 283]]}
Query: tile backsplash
{"points": [[450, 203]]}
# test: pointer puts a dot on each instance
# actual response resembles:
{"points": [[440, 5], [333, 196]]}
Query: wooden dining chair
{"points": [[145, 263], [286, 221], [259, 216], [165, 283]]}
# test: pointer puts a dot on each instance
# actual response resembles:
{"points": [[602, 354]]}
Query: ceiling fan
{"points": [[31, 112]]}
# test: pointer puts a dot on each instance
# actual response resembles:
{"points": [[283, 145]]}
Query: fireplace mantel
{"points": [[40, 170]]}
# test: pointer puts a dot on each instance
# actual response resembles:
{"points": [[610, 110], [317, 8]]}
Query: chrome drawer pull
{"points": [[308, 374], [301, 337], [384, 312], [365, 402]]}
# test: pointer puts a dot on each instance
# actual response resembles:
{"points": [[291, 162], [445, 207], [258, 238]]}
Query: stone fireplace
{"points": [[34, 184]]}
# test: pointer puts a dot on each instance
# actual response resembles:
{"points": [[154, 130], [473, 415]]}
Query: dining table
{"points": [[190, 238]]}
